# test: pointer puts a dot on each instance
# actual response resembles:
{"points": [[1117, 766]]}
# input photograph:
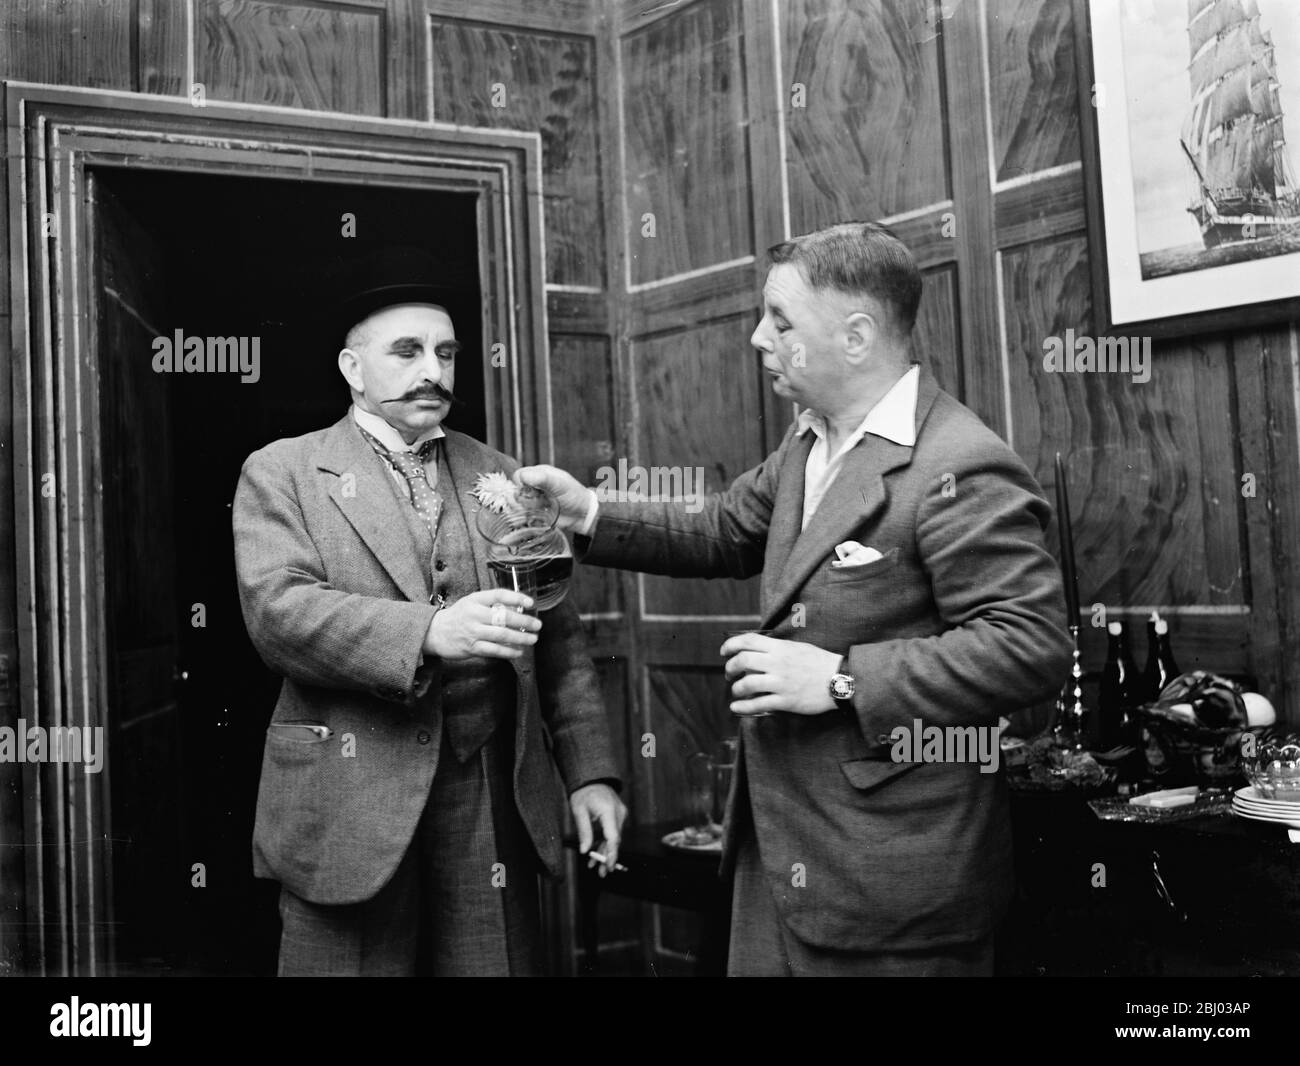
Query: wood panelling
{"points": [[407, 46], [1033, 88], [624, 735], [162, 53], [870, 141], [1266, 365], [1152, 467], [577, 312], [519, 80], [965, 89], [934, 340], [1044, 207], [699, 403], [582, 406], [931, 236], [80, 43], [570, 16], [13, 864], [582, 402], [730, 291], [684, 119], [292, 55]]}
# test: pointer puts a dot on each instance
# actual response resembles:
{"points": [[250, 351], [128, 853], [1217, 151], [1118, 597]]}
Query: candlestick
{"points": [[1069, 571], [1070, 712]]}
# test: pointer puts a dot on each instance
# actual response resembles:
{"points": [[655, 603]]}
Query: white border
{"points": [[1131, 298]]}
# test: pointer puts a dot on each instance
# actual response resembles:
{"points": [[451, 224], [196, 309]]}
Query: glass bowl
{"points": [[1274, 768]]}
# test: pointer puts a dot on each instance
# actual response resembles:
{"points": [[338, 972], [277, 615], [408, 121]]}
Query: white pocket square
{"points": [[851, 553]]}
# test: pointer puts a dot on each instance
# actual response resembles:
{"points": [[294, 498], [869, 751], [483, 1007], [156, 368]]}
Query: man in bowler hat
{"points": [[408, 798]]}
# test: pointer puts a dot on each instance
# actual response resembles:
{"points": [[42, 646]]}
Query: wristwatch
{"points": [[841, 686]]}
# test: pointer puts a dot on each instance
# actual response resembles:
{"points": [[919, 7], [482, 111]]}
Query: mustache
{"points": [[429, 393]]}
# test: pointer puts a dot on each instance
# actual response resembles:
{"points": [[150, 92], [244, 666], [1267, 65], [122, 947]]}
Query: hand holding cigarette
{"points": [[598, 806]]}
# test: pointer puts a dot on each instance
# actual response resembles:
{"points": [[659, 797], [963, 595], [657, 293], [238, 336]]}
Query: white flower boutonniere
{"points": [[496, 492]]}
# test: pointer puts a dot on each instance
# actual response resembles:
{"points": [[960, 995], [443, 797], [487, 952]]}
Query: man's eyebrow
{"points": [[405, 342]]}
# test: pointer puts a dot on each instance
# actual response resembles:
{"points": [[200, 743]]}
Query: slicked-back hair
{"points": [[857, 258]]}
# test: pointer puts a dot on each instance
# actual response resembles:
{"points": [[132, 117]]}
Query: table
{"points": [[1213, 895]]}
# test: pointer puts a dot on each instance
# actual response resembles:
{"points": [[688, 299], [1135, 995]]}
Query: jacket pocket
{"points": [[844, 575], [299, 732], [867, 775]]}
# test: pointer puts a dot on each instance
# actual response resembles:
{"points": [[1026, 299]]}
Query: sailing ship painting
{"points": [[1236, 183], [1233, 136]]}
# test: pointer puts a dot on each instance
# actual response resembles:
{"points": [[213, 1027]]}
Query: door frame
{"points": [[52, 135]]}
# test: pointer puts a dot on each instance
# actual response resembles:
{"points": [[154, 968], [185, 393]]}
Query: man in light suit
{"points": [[904, 580], [408, 795]]}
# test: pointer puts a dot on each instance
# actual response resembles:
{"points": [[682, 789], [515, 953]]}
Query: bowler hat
{"points": [[383, 277]]}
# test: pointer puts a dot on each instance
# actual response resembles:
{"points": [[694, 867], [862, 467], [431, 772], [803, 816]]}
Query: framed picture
{"points": [[1191, 181]]}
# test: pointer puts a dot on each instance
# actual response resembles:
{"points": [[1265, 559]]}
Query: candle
{"points": [[1069, 571]]}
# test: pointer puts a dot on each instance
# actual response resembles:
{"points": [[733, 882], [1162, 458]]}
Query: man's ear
{"points": [[350, 368], [860, 331]]}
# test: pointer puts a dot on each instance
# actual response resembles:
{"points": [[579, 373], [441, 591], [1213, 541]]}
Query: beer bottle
{"points": [[1119, 692]]}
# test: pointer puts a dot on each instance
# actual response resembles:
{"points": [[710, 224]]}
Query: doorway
{"points": [[188, 698]]}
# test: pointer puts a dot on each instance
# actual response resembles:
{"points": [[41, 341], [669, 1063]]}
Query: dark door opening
{"points": [[188, 697]]}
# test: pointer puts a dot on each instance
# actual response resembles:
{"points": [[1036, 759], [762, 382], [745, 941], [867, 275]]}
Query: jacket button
{"points": [[423, 736], [883, 738], [440, 565]]}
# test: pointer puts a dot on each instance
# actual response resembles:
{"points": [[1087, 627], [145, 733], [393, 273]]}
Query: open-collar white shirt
{"points": [[893, 417]]}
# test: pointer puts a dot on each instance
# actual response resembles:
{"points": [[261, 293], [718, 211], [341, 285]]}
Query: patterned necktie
{"points": [[424, 497]]}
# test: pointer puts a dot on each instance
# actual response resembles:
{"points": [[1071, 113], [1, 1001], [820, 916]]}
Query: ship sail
{"points": [[1233, 133]]}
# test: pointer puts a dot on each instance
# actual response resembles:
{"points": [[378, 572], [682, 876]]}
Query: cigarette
{"points": [[618, 867]]}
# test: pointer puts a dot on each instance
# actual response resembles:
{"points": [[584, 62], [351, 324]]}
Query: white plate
{"points": [[677, 841], [1251, 797], [1292, 822]]}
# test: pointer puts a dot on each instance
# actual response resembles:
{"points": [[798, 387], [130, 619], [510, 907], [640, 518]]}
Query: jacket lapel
{"points": [[854, 498], [369, 503], [465, 461], [787, 515]]}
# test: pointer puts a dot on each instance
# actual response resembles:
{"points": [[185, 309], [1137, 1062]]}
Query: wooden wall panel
{"points": [[935, 337], [1266, 366], [698, 402], [12, 859], [162, 52], [82, 43], [870, 142], [685, 118], [568, 16], [625, 739], [548, 82], [1152, 467], [582, 406], [1033, 87], [292, 55]]}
